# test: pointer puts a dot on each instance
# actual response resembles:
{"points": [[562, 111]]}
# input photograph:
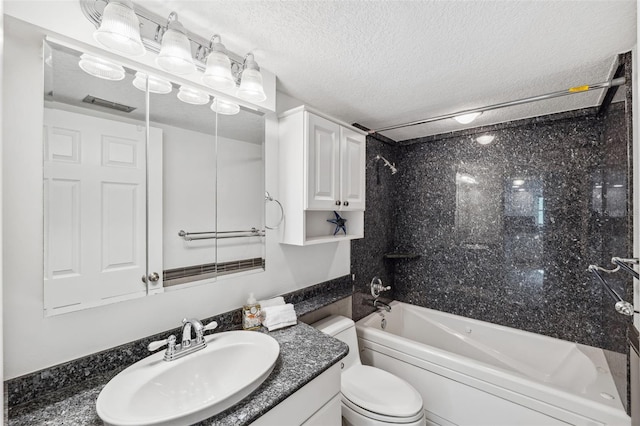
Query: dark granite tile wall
{"points": [[496, 249], [505, 251], [367, 254]]}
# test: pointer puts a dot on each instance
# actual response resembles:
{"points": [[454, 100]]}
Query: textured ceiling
{"points": [[381, 63]]}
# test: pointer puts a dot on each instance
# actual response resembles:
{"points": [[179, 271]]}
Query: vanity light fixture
{"points": [[101, 68], [175, 53], [119, 29], [224, 107], [179, 50], [156, 84], [218, 72], [191, 95], [485, 139], [251, 84], [467, 118], [518, 182]]}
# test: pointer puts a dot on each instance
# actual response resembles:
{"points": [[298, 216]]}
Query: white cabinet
{"points": [[335, 166], [322, 170], [316, 404]]}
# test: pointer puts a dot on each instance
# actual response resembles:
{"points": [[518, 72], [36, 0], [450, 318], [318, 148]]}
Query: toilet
{"points": [[370, 396]]}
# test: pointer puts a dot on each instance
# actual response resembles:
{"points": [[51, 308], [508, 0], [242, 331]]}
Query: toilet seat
{"points": [[379, 395]]}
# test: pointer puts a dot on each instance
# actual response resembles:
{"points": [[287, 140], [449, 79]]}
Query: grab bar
{"points": [[622, 263], [219, 235], [623, 307]]}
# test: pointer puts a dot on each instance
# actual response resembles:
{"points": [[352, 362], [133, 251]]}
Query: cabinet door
{"points": [[323, 184], [352, 169]]}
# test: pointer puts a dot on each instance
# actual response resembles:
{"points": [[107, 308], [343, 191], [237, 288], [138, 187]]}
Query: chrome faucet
{"points": [[188, 345], [380, 304], [376, 288], [196, 325]]}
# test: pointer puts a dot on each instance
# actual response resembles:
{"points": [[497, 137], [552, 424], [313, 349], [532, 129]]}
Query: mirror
{"points": [[133, 208]]}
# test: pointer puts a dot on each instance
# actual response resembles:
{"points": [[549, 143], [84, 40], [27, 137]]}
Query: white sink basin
{"points": [[200, 385]]}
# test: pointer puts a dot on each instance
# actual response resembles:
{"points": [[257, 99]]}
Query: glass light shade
{"points": [[120, 29], [156, 84], [175, 53], [467, 118], [192, 95], [224, 107], [251, 86], [101, 68], [218, 73]]}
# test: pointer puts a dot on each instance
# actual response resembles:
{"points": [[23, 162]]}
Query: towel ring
{"points": [[268, 197]]}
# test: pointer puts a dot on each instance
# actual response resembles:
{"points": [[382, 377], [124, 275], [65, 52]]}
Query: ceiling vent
{"points": [[107, 104]]}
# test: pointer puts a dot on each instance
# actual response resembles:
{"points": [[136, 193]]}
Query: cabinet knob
{"points": [[338, 203], [346, 203]]}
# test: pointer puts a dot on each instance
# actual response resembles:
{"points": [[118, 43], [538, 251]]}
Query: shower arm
{"points": [[388, 164]]}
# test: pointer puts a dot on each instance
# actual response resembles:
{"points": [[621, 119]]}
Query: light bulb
{"points": [[156, 84], [192, 95], [101, 68], [120, 29], [224, 107], [467, 118], [175, 53]]}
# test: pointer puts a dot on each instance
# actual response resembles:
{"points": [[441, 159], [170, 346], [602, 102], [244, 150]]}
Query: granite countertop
{"points": [[304, 354]]}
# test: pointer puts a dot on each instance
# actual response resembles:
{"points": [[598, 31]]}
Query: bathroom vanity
{"points": [[303, 389]]}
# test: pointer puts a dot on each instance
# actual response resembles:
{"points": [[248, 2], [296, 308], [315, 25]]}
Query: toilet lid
{"points": [[380, 392]]}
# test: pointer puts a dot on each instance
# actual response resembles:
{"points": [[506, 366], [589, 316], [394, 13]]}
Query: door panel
{"points": [[352, 169], [95, 198], [323, 161]]}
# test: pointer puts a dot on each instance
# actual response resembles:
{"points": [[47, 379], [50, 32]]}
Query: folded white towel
{"points": [[275, 317], [276, 301]]}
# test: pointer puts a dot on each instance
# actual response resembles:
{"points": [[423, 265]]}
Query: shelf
{"points": [[401, 256], [330, 239]]}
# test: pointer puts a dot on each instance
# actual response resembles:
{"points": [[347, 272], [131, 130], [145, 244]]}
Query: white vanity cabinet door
{"points": [[352, 169], [323, 164], [316, 403]]}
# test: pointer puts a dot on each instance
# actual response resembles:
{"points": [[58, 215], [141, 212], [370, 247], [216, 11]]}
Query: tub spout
{"points": [[381, 305]]}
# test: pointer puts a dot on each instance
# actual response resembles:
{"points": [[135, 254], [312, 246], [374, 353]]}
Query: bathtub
{"points": [[472, 372]]}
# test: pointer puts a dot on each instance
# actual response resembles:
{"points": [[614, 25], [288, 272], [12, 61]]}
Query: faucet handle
{"points": [[211, 326], [154, 346]]}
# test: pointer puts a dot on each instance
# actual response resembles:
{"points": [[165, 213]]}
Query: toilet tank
{"points": [[344, 329]]}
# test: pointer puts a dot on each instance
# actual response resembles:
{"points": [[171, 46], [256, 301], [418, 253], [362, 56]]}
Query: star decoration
{"points": [[339, 222]]}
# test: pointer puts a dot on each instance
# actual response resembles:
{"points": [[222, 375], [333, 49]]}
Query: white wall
{"points": [[189, 196], [1, 202], [240, 197], [189, 203], [33, 342]]}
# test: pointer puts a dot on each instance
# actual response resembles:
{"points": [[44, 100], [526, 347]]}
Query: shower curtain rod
{"points": [[571, 91]]}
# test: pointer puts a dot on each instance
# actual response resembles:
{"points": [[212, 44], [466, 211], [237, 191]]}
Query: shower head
{"points": [[388, 164]]}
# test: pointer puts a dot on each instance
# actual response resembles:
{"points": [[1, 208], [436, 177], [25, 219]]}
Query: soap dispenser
{"points": [[251, 314]]}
